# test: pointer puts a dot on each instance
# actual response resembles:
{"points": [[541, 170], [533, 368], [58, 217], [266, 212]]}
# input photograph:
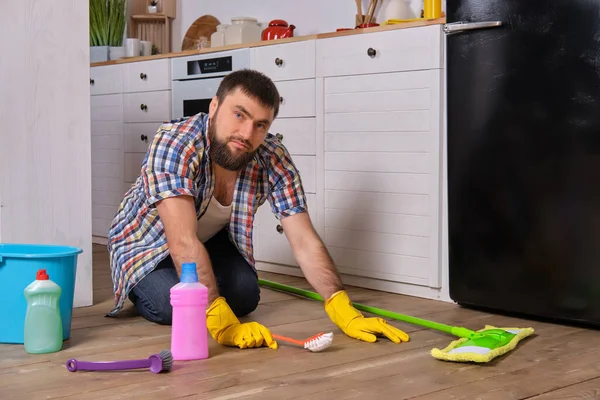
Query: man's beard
{"points": [[222, 155]]}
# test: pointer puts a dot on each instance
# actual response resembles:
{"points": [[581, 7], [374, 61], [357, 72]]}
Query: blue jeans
{"points": [[236, 279]]}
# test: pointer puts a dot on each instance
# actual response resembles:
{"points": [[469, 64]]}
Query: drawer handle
{"points": [[144, 138], [279, 136], [143, 107], [281, 100], [279, 229], [91, 81], [371, 52], [278, 62], [143, 76]]}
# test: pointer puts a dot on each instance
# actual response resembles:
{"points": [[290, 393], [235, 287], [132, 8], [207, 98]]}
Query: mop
{"points": [[472, 346]]}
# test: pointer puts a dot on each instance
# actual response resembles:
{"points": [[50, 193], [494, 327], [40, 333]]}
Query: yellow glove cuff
{"points": [[340, 309], [219, 317]]}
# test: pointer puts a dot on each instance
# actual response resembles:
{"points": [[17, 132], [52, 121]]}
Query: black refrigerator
{"points": [[523, 151]]}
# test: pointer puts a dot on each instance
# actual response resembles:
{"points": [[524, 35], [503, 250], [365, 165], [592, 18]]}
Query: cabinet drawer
{"points": [[297, 98], [307, 168], [285, 61], [271, 244], [147, 76], [148, 106], [138, 136], [106, 108], [396, 50], [297, 134], [107, 79], [133, 166]]}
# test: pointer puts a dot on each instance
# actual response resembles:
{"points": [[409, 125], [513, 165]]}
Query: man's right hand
{"points": [[227, 330]]}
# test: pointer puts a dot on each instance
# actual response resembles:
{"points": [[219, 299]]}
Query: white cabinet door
{"points": [[271, 244], [286, 61], [297, 98], [148, 106], [298, 135], [107, 160], [408, 49], [146, 76], [382, 175], [106, 79]]}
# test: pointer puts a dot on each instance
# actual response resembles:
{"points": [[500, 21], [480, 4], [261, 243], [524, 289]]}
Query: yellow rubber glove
{"points": [[354, 324], [227, 330]]}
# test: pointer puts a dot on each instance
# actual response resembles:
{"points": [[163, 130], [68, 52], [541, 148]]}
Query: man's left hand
{"points": [[354, 324]]}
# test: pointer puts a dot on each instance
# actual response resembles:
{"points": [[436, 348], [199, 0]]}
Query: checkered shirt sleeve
{"points": [[286, 194], [172, 163]]}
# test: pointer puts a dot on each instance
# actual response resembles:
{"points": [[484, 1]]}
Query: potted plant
{"points": [[107, 29], [153, 7], [98, 30], [117, 13]]}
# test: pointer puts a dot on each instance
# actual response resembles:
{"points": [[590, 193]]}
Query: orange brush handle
{"points": [[287, 339], [298, 342]]}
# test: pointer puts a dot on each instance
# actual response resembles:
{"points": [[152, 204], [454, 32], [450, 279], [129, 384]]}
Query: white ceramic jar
{"points": [[243, 30], [217, 39]]}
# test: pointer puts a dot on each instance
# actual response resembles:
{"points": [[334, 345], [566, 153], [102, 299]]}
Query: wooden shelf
{"points": [[155, 28], [149, 17]]}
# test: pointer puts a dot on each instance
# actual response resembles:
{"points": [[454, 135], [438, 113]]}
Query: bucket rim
{"points": [[19, 250]]}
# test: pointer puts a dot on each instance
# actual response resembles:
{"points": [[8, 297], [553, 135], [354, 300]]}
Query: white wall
{"points": [[309, 16], [45, 164]]}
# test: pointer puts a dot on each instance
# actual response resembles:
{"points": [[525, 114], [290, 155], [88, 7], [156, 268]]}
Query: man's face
{"points": [[237, 127]]}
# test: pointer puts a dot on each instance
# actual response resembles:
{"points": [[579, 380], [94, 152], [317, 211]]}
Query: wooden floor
{"points": [[558, 362]]}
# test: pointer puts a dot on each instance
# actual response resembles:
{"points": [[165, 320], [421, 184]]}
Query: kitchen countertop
{"points": [[405, 25]]}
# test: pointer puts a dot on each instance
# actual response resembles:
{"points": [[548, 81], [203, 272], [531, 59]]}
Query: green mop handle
{"points": [[453, 330]]}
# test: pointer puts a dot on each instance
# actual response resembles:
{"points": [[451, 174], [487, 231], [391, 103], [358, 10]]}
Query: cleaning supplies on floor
{"points": [[473, 346], [43, 324], [189, 299], [156, 363], [316, 343]]}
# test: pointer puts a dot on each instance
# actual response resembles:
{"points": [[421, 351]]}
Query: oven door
{"points": [[193, 96]]}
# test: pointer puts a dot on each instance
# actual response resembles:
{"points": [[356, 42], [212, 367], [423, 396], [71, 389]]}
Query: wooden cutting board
{"points": [[206, 25]]}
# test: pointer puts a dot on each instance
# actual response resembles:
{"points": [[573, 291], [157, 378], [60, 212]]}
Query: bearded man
{"points": [[200, 184]]}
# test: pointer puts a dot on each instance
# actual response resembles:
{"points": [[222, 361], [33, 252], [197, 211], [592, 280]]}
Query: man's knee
{"points": [[242, 295], [152, 297], [153, 307]]}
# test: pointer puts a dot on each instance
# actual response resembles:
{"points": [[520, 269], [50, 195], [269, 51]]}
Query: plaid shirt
{"points": [[178, 163]]}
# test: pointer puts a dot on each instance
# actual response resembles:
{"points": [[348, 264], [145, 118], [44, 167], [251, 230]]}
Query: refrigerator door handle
{"points": [[455, 27]]}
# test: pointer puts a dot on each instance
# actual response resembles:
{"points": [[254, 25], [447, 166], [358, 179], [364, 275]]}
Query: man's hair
{"points": [[254, 84]]}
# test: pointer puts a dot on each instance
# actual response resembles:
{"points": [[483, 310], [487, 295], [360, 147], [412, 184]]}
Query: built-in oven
{"points": [[196, 78]]}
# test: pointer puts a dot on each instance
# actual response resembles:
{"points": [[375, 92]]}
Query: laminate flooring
{"points": [[558, 362]]}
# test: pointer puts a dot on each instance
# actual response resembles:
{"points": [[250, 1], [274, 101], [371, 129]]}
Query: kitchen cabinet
{"points": [[362, 116], [377, 199], [147, 104], [291, 66], [106, 108], [128, 103], [382, 129]]}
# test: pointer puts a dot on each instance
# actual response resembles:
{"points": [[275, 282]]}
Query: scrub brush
{"points": [[156, 362], [314, 343]]}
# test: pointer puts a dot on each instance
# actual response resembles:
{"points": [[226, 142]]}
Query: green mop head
{"points": [[483, 346], [473, 346]]}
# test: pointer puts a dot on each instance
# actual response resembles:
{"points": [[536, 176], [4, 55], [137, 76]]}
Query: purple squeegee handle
{"points": [[74, 365]]}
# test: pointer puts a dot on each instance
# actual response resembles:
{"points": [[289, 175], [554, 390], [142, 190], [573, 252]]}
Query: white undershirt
{"points": [[214, 219]]}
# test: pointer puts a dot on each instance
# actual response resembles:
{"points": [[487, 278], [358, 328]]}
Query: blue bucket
{"points": [[19, 264]]}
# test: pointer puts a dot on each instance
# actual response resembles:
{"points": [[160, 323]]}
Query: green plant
{"points": [[117, 11], [107, 22], [98, 23]]}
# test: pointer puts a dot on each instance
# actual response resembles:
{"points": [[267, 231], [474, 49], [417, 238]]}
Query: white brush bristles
{"points": [[320, 343]]}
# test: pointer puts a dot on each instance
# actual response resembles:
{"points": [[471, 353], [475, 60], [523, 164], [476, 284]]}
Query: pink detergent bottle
{"points": [[189, 299]]}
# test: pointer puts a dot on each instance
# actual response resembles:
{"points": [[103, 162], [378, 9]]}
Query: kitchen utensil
{"points": [[278, 29]]}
